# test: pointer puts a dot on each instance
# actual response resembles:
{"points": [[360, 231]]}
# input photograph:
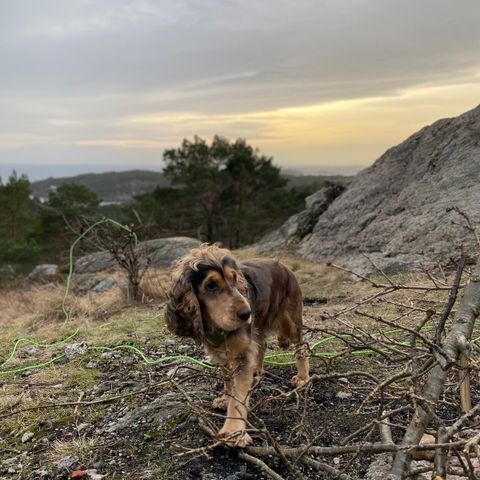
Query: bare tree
{"points": [[121, 241]]}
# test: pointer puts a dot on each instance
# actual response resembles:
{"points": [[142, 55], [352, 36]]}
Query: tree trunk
{"points": [[456, 343]]}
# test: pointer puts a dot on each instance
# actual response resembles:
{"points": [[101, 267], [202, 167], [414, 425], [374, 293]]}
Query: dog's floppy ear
{"points": [[182, 311], [243, 285]]}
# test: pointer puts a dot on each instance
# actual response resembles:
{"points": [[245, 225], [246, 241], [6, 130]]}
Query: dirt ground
{"points": [[135, 420]]}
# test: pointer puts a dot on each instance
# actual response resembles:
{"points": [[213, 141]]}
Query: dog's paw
{"points": [[298, 381], [235, 438], [221, 403]]}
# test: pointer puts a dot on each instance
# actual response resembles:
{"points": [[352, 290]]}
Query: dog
{"points": [[231, 308]]}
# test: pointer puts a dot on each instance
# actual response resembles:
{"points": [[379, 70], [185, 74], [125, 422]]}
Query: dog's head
{"points": [[208, 293]]}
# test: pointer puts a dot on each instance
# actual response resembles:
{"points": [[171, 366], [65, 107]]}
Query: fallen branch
{"points": [[455, 344], [261, 465], [451, 300], [323, 467], [359, 448]]}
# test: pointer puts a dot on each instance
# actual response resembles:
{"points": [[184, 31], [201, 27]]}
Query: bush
{"points": [[19, 253]]}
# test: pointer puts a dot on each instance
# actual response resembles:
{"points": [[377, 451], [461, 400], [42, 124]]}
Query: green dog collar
{"points": [[216, 338]]}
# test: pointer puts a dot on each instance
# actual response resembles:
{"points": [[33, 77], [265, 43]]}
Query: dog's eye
{"points": [[211, 286]]}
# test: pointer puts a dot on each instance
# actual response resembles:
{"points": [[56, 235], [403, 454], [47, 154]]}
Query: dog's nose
{"points": [[244, 314]]}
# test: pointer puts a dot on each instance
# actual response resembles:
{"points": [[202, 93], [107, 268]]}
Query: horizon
{"points": [[111, 85], [35, 172]]}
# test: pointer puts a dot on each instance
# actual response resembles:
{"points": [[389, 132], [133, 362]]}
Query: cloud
{"points": [[144, 74]]}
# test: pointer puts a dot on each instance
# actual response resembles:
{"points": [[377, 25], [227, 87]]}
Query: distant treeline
{"points": [[221, 191]]}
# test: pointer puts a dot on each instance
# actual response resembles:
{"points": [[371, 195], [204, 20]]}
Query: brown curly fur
{"points": [[212, 295]]}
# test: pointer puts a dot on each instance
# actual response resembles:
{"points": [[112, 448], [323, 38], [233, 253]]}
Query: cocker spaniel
{"points": [[231, 307]]}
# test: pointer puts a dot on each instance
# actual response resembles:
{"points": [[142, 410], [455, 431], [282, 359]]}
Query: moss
{"points": [[81, 378]]}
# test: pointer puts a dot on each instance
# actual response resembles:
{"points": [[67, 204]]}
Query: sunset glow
{"points": [[313, 87]]}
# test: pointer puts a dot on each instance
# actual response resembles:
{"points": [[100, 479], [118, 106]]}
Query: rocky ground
{"points": [[104, 413]]}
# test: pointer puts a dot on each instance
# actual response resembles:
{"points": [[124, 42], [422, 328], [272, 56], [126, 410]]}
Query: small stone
{"points": [[336, 460], [27, 436], [111, 355], [41, 473], [75, 349], [92, 473], [425, 454], [343, 395], [183, 348], [82, 426], [179, 372], [31, 350], [92, 364], [67, 462]]}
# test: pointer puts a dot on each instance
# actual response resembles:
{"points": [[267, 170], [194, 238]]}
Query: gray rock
{"points": [[379, 468], [95, 262], [31, 350], [111, 355], [93, 474], [84, 283], [344, 395], [67, 462], [301, 224], [105, 284], [43, 273], [161, 252], [161, 410], [75, 349], [396, 210], [27, 436]]}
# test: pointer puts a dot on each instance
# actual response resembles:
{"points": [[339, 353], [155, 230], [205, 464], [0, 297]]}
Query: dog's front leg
{"points": [[222, 401], [233, 430]]}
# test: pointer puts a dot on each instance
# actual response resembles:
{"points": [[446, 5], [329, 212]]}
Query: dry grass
{"points": [[155, 283], [37, 311], [82, 448]]}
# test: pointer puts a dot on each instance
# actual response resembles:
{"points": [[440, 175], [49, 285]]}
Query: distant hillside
{"points": [[122, 186], [317, 181], [109, 186]]}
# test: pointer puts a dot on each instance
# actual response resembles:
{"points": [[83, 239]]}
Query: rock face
{"points": [[160, 252], [396, 211], [301, 224], [43, 273]]}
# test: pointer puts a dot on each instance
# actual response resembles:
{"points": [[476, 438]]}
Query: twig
{"points": [[83, 404], [451, 300], [323, 467], [261, 465]]}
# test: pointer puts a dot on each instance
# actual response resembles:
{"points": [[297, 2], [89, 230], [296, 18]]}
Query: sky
{"points": [[319, 85]]}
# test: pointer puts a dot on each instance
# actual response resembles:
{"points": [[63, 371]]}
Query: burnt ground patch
{"points": [[141, 435]]}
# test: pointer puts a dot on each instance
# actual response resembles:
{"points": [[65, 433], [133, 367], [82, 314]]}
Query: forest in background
{"points": [[222, 191]]}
